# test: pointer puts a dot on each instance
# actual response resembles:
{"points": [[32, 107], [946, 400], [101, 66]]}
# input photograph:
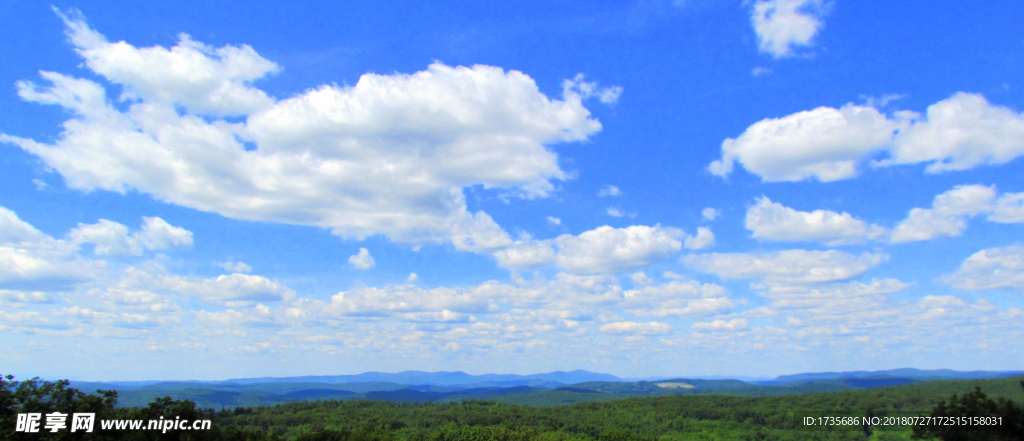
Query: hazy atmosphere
{"points": [[646, 188]]}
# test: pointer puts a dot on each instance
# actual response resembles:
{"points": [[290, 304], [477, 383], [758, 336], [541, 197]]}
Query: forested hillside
{"points": [[662, 418]]}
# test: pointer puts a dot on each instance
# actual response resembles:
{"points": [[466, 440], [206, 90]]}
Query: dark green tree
{"points": [[971, 405]]}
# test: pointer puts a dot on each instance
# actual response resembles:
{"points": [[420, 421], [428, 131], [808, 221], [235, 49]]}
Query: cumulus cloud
{"points": [[603, 250], [31, 259], [824, 143], [112, 238], [833, 298], [722, 325], [703, 239], [526, 254], [609, 190], [710, 213], [1009, 209], [773, 221], [614, 250], [228, 289], [554, 220], [992, 268], [201, 78], [958, 133], [26, 296], [677, 298], [789, 266], [389, 155], [782, 26], [651, 328], [585, 89], [615, 212], [236, 267], [948, 215], [362, 260]]}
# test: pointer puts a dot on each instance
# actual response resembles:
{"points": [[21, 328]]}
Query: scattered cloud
{"points": [[710, 213], [773, 221], [614, 250], [112, 238], [948, 215], [603, 250], [761, 70], [651, 328], [1009, 209], [362, 260], [554, 220], [389, 155], [703, 239], [236, 267], [609, 190], [412, 277], [992, 268], [584, 89], [783, 26], [722, 325], [828, 144], [789, 266]]}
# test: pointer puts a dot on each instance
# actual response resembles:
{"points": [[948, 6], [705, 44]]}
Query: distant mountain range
{"points": [[538, 389], [907, 373], [445, 378]]}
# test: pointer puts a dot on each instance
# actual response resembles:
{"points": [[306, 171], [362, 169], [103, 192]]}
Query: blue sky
{"points": [[701, 187]]}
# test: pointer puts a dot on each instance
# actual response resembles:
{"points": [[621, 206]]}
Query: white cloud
{"points": [[677, 298], [607, 95], [112, 238], [554, 220], [761, 70], [229, 289], [948, 215], [389, 155], [710, 213], [603, 250], [30, 259], [615, 212], [26, 296], [773, 221], [526, 254], [615, 250], [958, 133], [789, 266], [834, 298], [362, 260], [722, 325], [236, 267], [785, 25], [14, 231], [651, 328], [992, 268], [381, 302], [1009, 209], [478, 233], [609, 190], [640, 278], [201, 78], [932, 302], [412, 277], [703, 239], [824, 143]]}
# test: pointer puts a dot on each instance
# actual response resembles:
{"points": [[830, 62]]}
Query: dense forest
{"points": [[706, 417]]}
